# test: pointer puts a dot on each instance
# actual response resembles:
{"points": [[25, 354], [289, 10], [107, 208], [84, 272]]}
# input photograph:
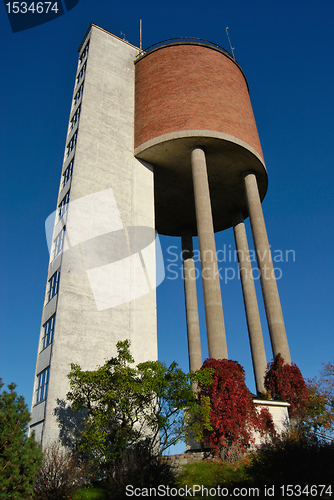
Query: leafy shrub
{"points": [[122, 404], [60, 474], [141, 468], [286, 383]]}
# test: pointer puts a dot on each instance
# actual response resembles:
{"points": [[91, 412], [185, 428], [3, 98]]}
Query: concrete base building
{"points": [[162, 139]]}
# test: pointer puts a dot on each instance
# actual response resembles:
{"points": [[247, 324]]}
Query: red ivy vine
{"points": [[286, 383], [233, 415]]}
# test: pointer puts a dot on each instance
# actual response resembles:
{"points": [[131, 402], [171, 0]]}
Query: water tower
{"points": [[163, 139], [194, 123]]}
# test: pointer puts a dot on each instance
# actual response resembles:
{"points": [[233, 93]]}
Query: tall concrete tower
{"points": [[101, 277], [162, 139]]}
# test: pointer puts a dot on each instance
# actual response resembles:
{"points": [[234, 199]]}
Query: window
{"points": [[48, 331], [82, 72], [68, 173], [75, 118], [71, 145], [78, 95], [53, 285], [64, 205], [58, 243], [42, 388], [84, 52]]}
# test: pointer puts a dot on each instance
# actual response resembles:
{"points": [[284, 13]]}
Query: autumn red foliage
{"points": [[233, 415], [285, 382]]}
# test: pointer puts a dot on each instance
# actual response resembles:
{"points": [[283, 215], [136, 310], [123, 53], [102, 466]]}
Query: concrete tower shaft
{"points": [[104, 195], [194, 95]]}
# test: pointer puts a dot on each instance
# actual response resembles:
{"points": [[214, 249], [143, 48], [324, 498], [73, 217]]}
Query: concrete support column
{"points": [[250, 301], [194, 339], [210, 275], [272, 302]]}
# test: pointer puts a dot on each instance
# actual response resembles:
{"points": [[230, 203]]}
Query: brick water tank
{"points": [[192, 93]]}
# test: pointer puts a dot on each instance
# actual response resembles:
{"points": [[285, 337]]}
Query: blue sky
{"points": [[286, 50]]}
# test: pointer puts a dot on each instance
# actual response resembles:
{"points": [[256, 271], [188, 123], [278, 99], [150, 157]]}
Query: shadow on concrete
{"points": [[71, 423]]}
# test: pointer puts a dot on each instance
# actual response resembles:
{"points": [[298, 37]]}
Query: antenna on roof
{"points": [[232, 48], [123, 35], [141, 35]]}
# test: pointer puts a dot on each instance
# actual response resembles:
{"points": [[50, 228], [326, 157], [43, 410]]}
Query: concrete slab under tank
{"points": [[228, 160]]}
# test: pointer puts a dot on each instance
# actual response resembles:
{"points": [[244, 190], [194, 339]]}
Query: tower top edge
{"points": [[92, 25], [188, 41]]}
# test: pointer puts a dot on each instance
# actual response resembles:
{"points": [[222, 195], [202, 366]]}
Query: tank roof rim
{"points": [[188, 41]]}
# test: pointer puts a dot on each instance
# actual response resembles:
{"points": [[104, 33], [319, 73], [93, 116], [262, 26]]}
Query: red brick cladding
{"points": [[190, 87]]}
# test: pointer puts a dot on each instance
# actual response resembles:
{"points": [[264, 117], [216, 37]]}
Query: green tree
{"points": [[20, 456], [126, 404], [320, 415], [327, 380]]}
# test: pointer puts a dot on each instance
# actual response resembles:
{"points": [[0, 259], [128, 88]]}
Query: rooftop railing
{"points": [[182, 41]]}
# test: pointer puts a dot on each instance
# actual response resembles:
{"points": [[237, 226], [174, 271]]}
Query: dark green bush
{"points": [[141, 468], [293, 459], [20, 456]]}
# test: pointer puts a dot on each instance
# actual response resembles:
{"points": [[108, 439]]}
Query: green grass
{"points": [[207, 473], [214, 473], [89, 493]]}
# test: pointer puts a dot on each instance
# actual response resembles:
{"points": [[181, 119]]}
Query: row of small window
{"points": [[84, 52], [43, 377], [81, 73], [42, 386], [75, 119]]}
